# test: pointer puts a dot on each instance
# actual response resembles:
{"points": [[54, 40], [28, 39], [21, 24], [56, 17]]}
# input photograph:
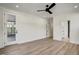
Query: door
{"points": [[1, 29], [49, 27], [10, 29]]}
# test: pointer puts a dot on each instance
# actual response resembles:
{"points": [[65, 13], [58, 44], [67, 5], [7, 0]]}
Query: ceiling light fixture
{"points": [[17, 6], [75, 6]]}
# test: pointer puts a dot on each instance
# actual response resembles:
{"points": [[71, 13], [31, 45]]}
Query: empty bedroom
{"points": [[39, 28]]}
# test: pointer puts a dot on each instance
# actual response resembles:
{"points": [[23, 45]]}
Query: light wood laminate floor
{"points": [[41, 47]]}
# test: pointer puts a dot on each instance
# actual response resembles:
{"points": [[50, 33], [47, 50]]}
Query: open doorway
{"points": [[49, 27]]}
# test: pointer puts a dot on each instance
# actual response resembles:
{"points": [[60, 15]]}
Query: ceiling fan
{"points": [[48, 8]]}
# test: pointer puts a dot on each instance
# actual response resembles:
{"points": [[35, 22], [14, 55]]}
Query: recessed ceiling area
{"points": [[33, 7]]}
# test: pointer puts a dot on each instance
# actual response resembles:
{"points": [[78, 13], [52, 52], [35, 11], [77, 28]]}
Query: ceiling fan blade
{"points": [[52, 5], [49, 11], [40, 10]]}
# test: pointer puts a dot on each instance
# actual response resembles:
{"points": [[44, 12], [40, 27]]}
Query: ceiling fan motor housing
{"points": [[47, 5]]}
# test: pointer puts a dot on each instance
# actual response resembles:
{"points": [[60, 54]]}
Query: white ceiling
{"points": [[33, 7]]}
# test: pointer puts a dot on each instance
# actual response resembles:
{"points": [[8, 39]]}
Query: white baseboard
{"points": [[74, 42], [20, 42]]}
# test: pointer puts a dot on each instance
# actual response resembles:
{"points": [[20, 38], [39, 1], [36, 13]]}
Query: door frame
{"points": [[5, 28]]}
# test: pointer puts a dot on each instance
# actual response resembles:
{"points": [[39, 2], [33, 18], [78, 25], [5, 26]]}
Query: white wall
{"points": [[74, 18], [60, 27], [29, 27]]}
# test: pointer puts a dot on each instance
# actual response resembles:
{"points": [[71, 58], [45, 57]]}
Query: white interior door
{"points": [[1, 29], [10, 28]]}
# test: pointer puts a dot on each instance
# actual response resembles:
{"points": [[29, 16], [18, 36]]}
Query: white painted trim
{"points": [[74, 42], [20, 42], [12, 13]]}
